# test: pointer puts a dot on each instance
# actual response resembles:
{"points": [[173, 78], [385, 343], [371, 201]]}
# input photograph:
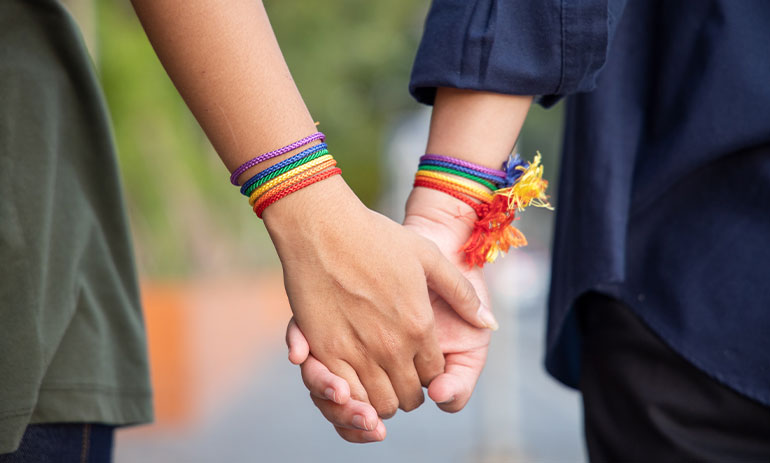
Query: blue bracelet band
{"points": [[284, 163]]}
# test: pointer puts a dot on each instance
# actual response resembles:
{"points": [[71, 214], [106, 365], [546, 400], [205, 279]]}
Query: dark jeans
{"points": [[64, 443], [644, 402]]}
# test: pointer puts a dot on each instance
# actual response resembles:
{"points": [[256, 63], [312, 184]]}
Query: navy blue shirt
{"points": [[664, 195]]}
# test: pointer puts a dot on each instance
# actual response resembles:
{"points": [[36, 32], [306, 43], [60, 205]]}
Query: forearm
{"points": [[480, 127], [225, 61]]}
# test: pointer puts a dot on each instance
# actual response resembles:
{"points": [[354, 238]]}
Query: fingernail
{"points": [[360, 422], [451, 399], [330, 394], [486, 317]]}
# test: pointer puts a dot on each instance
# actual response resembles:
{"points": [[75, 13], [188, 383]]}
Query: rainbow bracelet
{"points": [[457, 184], [260, 207], [324, 160], [292, 174], [459, 173], [307, 154], [496, 178], [292, 181], [466, 164], [493, 234], [278, 172]]}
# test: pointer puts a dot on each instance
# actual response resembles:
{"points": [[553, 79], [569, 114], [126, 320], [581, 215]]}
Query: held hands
{"points": [[434, 216], [358, 285]]}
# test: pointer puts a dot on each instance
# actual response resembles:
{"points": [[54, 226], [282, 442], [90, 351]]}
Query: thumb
{"points": [[449, 283], [452, 390], [299, 349]]}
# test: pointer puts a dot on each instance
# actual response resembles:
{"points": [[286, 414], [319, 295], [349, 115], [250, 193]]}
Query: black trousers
{"points": [[643, 402], [64, 443]]}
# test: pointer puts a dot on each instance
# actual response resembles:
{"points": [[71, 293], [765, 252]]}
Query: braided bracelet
{"points": [[493, 233], [306, 154], [463, 163], [260, 208], [278, 173], [457, 184], [271, 154], [292, 181], [455, 167], [283, 178], [451, 170], [323, 161]]}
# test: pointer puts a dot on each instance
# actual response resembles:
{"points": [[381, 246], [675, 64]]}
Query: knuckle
{"points": [[420, 326], [388, 345], [464, 290], [433, 359]]}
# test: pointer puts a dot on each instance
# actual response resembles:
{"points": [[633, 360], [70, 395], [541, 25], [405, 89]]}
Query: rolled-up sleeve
{"points": [[548, 48]]}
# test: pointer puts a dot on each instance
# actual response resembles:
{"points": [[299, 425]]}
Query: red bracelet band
{"points": [[260, 207]]}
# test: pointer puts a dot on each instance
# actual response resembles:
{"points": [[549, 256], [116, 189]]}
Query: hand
{"points": [[358, 286], [435, 216], [448, 223]]}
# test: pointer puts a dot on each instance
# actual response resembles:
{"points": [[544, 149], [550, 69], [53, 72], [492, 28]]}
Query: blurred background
{"points": [[211, 282]]}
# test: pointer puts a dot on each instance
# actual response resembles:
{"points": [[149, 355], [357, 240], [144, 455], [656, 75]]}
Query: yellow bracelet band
{"points": [[464, 186], [285, 176], [293, 181]]}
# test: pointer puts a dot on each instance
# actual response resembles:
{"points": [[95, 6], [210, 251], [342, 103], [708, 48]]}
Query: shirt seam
{"points": [[562, 74], [72, 387], [15, 413]]}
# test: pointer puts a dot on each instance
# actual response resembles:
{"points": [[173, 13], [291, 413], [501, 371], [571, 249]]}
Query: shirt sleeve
{"points": [[547, 48]]}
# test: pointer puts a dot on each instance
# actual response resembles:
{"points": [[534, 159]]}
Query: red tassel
{"points": [[492, 233]]}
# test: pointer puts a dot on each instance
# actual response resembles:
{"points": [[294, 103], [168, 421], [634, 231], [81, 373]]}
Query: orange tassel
{"points": [[493, 233]]}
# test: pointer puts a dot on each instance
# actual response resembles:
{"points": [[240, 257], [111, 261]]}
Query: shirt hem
{"points": [[76, 404], [571, 378]]}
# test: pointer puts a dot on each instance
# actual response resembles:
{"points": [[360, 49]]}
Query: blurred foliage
{"points": [[351, 61]]}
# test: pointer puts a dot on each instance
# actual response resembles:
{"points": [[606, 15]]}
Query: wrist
{"points": [[428, 208], [309, 211], [476, 126]]}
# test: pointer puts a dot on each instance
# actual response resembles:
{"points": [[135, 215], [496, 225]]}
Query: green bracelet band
{"points": [[283, 170], [449, 170]]}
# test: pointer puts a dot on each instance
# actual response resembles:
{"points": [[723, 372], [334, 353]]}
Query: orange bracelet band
{"points": [[261, 206], [293, 180]]}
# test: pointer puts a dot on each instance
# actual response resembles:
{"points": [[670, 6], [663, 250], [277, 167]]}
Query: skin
{"points": [[358, 283], [476, 126]]}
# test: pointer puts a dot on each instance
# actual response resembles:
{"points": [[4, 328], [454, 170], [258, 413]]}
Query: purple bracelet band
{"points": [[460, 162], [264, 157]]}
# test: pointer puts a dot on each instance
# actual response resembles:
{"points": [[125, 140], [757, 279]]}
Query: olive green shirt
{"points": [[72, 342]]}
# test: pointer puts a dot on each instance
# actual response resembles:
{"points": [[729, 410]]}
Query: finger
{"points": [[379, 389], [449, 283], [295, 340], [429, 361], [361, 437], [322, 383], [452, 390], [353, 415], [406, 384], [345, 371]]}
